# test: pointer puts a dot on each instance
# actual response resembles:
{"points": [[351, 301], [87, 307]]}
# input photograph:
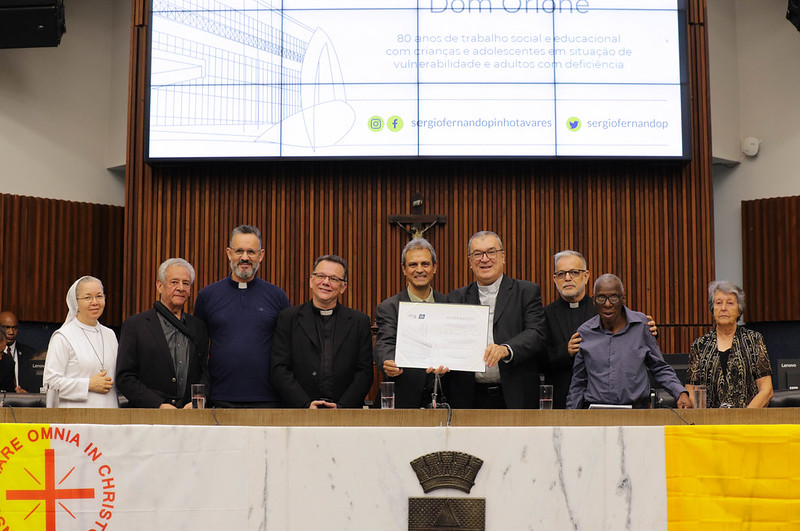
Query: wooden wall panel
{"points": [[651, 223], [48, 244], [771, 238]]}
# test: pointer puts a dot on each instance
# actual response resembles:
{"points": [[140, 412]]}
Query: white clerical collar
{"points": [[237, 283], [492, 288], [574, 304]]}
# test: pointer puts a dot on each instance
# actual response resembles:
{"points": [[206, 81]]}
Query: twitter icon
{"points": [[573, 123]]}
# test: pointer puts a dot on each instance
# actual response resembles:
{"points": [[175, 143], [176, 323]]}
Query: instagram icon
{"points": [[375, 123]]}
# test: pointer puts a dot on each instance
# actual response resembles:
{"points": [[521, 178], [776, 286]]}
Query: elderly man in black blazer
{"points": [[517, 333], [164, 350], [322, 350]]}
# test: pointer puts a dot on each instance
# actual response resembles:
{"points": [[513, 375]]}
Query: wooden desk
{"points": [[401, 417]]}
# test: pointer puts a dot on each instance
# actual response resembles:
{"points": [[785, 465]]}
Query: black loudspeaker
{"points": [[793, 13], [31, 23]]}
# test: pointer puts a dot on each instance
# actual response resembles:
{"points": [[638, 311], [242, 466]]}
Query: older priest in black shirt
{"points": [[322, 350], [564, 315], [163, 351]]}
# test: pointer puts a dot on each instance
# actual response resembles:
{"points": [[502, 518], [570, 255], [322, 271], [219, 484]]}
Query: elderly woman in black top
{"points": [[730, 360]]}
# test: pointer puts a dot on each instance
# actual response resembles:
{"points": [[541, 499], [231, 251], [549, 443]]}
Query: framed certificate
{"points": [[434, 334]]}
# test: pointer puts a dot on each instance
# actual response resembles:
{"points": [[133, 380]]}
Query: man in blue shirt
{"points": [[563, 316], [616, 349], [240, 313]]}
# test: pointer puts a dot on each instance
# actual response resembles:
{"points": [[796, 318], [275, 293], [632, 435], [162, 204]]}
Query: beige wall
{"points": [[766, 81], [723, 59], [63, 109]]}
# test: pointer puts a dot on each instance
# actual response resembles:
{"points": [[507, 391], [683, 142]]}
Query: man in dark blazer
{"points": [[517, 333], [25, 378], [322, 350], [413, 387], [164, 350]]}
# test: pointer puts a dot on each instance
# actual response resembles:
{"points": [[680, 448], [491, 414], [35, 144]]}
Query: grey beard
{"points": [[245, 275]]}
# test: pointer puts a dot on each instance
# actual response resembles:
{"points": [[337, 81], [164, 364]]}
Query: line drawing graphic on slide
{"points": [[241, 73]]}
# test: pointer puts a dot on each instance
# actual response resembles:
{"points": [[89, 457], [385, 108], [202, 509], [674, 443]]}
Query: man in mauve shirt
{"points": [[616, 349]]}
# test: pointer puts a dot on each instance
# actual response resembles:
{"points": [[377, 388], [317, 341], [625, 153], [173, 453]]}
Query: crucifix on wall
{"points": [[416, 224]]}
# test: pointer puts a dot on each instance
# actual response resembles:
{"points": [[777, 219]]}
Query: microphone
{"points": [[435, 404], [437, 382]]}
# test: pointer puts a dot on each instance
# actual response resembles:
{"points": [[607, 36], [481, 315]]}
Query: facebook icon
{"points": [[394, 123]]}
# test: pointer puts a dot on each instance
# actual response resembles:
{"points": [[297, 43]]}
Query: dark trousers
{"points": [[244, 405], [489, 396]]}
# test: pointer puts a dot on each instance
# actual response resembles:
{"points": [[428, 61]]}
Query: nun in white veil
{"points": [[82, 355]]}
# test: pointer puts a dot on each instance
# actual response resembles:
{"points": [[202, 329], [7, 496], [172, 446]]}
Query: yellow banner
{"points": [[24, 476], [733, 477]]}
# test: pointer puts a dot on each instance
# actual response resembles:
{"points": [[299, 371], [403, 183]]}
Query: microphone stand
{"points": [[437, 384]]}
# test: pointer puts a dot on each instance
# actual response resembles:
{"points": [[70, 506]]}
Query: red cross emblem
{"points": [[50, 494]]}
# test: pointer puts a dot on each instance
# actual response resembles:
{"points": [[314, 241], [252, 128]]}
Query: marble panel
{"points": [[581, 478]]}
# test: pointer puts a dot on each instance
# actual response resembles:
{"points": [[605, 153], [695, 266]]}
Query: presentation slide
{"points": [[427, 78]]}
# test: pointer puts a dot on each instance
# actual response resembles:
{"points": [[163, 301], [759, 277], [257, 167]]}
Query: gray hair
{"points": [[725, 287], [246, 229], [565, 253], [335, 258], [166, 264], [484, 234], [88, 278], [417, 243], [606, 277]]}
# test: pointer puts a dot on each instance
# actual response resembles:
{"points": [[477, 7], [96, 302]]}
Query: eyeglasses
{"points": [[251, 253], [491, 254], [573, 273], [601, 299], [88, 298], [333, 279]]}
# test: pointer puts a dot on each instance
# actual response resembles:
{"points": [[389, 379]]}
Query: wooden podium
{"points": [[401, 417]]}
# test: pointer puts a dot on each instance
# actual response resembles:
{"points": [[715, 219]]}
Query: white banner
{"points": [[196, 478]]}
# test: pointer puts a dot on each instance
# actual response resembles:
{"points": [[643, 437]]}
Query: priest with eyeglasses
{"points": [[572, 308], [516, 341], [322, 350]]}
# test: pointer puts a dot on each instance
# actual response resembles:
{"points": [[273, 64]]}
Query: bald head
{"points": [[609, 299], [611, 281], [9, 324]]}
